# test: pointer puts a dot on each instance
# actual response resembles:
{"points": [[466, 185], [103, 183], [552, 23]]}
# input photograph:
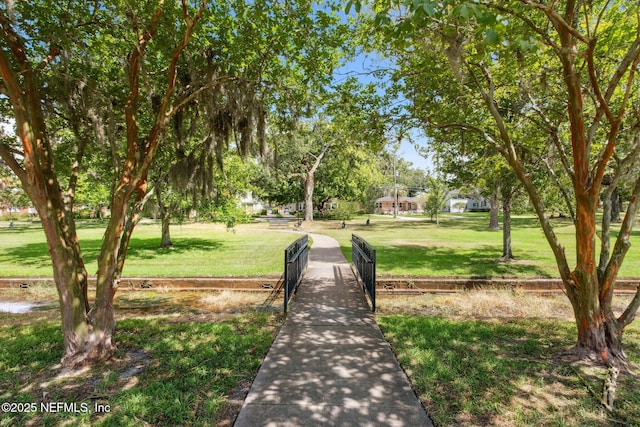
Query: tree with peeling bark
{"points": [[576, 64], [88, 330], [107, 81]]}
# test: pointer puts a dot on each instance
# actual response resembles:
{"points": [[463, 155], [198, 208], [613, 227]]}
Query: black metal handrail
{"points": [[296, 257], [363, 256]]}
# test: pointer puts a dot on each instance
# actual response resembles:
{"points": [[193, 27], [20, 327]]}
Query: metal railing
{"points": [[363, 256], [296, 257]]}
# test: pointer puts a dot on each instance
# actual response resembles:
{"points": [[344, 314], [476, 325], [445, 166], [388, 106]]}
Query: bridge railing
{"points": [[363, 257], [296, 258]]}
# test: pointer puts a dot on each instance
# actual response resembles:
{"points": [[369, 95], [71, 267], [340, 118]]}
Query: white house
{"points": [[250, 204], [458, 204]]}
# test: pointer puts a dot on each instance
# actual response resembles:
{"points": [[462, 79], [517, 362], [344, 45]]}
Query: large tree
{"points": [[100, 85], [39, 46], [347, 175], [575, 63], [348, 117]]}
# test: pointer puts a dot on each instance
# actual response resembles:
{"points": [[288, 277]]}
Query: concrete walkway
{"points": [[330, 364]]}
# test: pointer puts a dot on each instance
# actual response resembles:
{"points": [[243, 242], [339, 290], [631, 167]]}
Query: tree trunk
{"points": [[507, 252], [616, 205], [70, 278], [598, 331], [599, 334], [166, 232], [494, 223], [69, 272], [165, 216], [88, 334], [309, 186]]}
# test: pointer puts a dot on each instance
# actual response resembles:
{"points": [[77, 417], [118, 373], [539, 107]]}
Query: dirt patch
{"points": [[235, 399]]}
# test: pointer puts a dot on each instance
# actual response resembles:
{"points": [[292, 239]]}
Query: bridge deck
{"points": [[330, 364]]}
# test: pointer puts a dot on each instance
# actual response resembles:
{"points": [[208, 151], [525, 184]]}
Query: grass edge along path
{"points": [[462, 246], [507, 372], [200, 250], [167, 371]]}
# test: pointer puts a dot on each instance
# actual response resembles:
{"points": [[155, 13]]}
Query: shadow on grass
{"points": [[196, 365], [37, 254], [181, 372], [480, 262], [490, 373], [432, 261]]}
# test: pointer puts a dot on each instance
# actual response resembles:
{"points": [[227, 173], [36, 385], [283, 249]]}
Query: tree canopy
{"points": [[101, 89], [548, 86]]}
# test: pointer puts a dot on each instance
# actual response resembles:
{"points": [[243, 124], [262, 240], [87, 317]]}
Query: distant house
{"points": [[329, 205], [458, 204], [294, 207], [386, 205], [17, 210], [249, 204]]}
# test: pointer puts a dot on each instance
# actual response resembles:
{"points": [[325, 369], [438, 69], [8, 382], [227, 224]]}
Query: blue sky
{"points": [[363, 67]]}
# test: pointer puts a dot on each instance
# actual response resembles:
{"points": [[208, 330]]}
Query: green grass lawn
{"points": [[507, 372], [170, 369], [482, 358], [462, 246], [199, 250], [475, 358]]}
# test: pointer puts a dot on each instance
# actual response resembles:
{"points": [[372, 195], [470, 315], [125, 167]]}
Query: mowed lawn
{"points": [[463, 246], [199, 250]]}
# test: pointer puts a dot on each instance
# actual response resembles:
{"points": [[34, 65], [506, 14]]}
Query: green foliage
{"points": [[229, 213], [436, 198], [506, 77], [345, 210], [12, 195], [93, 192], [347, 174]]}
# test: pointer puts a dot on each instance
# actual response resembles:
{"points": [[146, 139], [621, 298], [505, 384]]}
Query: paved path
{"points": [[330, 364]]}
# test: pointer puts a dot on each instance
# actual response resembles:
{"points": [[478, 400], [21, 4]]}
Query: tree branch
{"points": [[552, 129], [510, 154], [600, 15], [545, 37], [558, 21], [163, 115], [131, 105], [54, 51], [630, 312], [7, 154], [612, 137], [622, 244], [563, 191]]}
